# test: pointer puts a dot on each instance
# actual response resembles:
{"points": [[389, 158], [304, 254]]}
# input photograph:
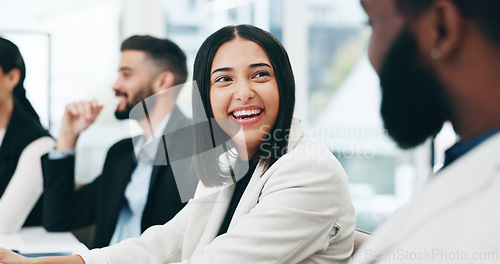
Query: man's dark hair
{"points": [[166, 54], [484, 13]]}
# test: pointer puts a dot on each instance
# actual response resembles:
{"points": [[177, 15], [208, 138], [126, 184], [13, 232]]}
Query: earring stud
{"points": [[436, 53]]}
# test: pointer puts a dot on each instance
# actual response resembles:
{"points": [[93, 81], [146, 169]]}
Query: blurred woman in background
{"points": [[23, 141]]}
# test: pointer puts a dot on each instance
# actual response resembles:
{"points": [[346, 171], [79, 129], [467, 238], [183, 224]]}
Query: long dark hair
{"points": [[208, 169], [10, 58]]}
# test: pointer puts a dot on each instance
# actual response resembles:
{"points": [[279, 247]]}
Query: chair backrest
{"points": [[360, 236]]}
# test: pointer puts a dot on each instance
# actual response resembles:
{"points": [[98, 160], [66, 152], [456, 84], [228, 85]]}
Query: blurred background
{"points": [[71, 49]]}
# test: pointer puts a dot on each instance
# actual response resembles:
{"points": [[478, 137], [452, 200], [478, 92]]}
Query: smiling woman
{"points": [[289, 207], [249, 70], [244, 90]]}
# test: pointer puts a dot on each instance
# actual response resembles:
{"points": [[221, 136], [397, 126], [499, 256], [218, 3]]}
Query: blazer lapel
{"points": [[177, 121], [125, 165], [215, 219], [456, 183], [250, 196], [247, 201], [178, 137]]}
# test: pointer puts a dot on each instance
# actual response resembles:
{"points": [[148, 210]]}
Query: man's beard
{"points": [[138, 98], [413, 99]]}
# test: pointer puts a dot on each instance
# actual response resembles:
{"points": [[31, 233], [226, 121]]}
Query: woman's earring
{"points": [[436, 53]]}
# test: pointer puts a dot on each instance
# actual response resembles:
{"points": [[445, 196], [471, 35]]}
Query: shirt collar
{"points": [[151, 150], [461, 148]]}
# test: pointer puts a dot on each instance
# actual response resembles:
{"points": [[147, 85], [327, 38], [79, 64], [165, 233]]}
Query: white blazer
{"points": [[298, 211], [455, 218]]}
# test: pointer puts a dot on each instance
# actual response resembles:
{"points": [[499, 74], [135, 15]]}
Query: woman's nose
{"points": [[244, 92]]}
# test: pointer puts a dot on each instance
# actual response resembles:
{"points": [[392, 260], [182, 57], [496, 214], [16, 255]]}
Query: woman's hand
{"points": [[9, 257]]}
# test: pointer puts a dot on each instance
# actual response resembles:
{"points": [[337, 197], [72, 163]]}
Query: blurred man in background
{"points": [[439, 60], [129, 196]]}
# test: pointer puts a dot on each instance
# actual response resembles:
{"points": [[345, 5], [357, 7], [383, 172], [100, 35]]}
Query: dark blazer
{"points": [[99, 202], [22, 130]]}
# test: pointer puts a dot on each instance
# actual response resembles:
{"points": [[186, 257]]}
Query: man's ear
{"points": [[444, 30], [13, 78], [164, 80]]}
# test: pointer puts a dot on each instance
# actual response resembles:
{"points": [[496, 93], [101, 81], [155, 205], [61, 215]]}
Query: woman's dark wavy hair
{"points": [[10, 58], [208, 169]]}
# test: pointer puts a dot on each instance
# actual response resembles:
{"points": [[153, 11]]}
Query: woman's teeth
{"points": [[242, 114]]}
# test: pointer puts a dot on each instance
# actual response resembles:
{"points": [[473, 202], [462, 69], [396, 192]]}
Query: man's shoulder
{"points": [[177, 120], [125, 144]]}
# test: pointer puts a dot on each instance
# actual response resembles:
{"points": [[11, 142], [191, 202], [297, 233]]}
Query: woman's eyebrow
{"points": [[255, 65], [222, 69]]}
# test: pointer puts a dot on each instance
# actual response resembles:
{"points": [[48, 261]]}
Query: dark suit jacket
{"points": [[99, 202]]}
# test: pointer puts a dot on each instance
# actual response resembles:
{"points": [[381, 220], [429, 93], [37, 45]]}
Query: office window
{"points": [[35, 48], [344, 103]]}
